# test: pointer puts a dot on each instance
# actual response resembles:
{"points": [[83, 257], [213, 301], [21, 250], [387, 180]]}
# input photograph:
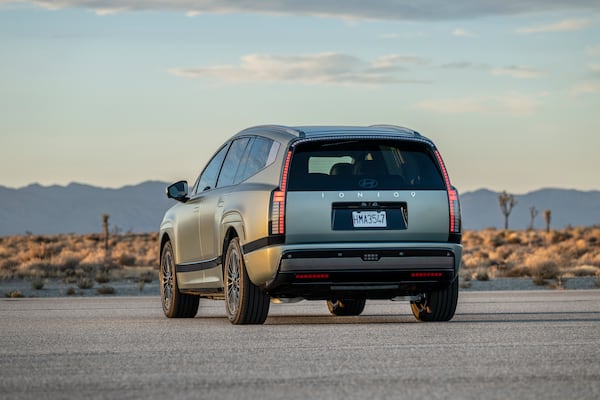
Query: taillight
{"points": [[453, 201], [277, 226]]}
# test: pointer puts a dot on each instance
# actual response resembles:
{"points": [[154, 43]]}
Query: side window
{"points": [[232, 162], [257, 158], [208, 178]]}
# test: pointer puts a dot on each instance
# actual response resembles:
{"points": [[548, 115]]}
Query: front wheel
{"points": [[174, 303], [437, 306], [348, 307], [245, 302]]}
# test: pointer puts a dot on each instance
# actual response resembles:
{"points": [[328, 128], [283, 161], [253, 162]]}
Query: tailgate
{"points": [[374, 216]]}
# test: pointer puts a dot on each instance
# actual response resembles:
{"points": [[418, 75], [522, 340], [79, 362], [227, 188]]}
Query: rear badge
{"points": [[367, 183]]}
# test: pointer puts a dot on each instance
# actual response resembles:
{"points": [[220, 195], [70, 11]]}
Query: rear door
{"points": [[352, 190]]}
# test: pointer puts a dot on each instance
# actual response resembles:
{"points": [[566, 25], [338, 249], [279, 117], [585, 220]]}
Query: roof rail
{"points": [[282, 128], [402, 129]]}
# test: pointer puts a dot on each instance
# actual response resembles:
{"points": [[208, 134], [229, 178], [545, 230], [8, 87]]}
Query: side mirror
{"points": [[178, 191]]}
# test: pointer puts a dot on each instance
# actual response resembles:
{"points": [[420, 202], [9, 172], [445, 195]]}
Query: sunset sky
{"points": [[111, 93]]}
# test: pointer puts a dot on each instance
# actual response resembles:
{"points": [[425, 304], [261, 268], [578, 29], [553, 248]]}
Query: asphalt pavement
{"points": [[500, 345]]}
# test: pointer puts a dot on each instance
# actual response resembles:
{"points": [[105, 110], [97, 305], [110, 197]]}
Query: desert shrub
{"points": [[69, 262], [14, 294], [70, 291], [547, 270], [37, 284], [516, 271], [85, 283], [141, 285], [591, 258], [482, 274], [513, 238], [583, 270], [102, 277], [105, 290], [126, 259]]}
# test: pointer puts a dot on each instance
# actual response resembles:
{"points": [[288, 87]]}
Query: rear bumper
{"points": [[377, 272]]}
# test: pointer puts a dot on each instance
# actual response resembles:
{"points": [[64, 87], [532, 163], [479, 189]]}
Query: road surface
{"points": [[500, 345]]}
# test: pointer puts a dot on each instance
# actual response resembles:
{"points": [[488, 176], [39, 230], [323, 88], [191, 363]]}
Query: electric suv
{"points": [[334, 213]]}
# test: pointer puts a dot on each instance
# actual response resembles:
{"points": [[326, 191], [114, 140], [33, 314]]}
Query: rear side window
{"points": [[256, 159], [364, 165], [245, 158], [232, 162]]}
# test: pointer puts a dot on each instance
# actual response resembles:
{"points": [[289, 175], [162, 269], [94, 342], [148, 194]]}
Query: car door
{"points": [[212, 200], [189, 240]]}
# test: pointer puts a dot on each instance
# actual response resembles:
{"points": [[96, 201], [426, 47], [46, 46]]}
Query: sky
{"points": [[112, 93]]}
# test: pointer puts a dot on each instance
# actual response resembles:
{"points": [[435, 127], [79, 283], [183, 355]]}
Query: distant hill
{"points": [[480, 209], [78, 208]]}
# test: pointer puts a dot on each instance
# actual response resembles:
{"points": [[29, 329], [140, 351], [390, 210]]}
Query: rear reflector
{"points": [[312, 276], [426, 274]]}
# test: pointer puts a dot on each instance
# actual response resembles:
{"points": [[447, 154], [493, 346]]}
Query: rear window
{"points": [[364, 165]]}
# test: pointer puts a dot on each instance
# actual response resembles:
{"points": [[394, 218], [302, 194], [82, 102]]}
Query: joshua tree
{"points": [[533, 212], [547, 217], [507, 202], [106, 246]]}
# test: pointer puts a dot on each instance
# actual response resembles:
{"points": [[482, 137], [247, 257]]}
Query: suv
{"points": [[341, 214]]}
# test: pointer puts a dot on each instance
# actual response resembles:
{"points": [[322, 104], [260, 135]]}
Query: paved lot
{"points": [[520, 345]]}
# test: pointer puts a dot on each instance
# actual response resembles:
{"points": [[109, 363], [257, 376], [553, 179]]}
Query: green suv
{"points": [[333, 213]]}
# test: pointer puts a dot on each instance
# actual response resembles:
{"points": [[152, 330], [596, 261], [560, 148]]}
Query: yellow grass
{"points": [[564, 253], [488, 254], [74, 256]]}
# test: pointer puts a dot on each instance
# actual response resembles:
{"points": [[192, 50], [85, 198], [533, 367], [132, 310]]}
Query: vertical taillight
{"points": [[277, 226], [453, 201]]}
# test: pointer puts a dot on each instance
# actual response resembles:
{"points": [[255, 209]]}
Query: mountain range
{"points": [[78, 208]]}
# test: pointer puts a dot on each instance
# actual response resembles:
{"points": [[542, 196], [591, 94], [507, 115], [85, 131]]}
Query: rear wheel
{"points": [[437, 306], [346, 307], [245, 302], [174, 303]]}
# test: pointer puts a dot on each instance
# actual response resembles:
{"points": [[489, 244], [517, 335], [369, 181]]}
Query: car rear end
{"points": [[363, 213]]}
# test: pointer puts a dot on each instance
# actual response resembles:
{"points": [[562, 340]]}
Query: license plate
{"points": [[369, 219]]}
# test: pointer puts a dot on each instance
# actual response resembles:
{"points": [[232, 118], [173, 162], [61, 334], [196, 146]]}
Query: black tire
{"points": [[174, 303], [346, 307], [245, 302], [437, 306]]}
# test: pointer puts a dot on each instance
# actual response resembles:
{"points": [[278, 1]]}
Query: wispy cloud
{"points": [[462, 33], [380, 9], [562, 26], [518, 72], [586, 88], [514, 103], [321, 68], [594, 67]]}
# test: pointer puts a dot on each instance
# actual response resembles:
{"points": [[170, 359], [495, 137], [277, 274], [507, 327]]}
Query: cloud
{"points": [[462, 33], [424, 10], [562, 26], [514, 103], [586, 88], [594, 67], [320, 68], [518, 72]]}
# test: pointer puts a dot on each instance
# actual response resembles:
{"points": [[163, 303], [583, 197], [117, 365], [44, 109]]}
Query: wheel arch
{"points": [[164, 239]]}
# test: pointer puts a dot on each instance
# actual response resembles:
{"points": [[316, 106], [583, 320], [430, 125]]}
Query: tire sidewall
{"points": [[234, 246]]}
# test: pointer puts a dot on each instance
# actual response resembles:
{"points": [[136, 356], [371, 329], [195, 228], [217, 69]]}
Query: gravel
{"points": [[57, 288]]}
